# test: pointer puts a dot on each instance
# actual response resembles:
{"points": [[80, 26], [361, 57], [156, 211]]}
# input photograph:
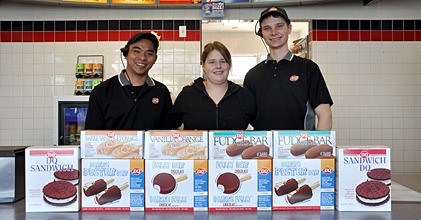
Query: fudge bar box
{"points": [[176, 185], [240, 185], [240, 145], [303, 144], [113, 185], [176, 144], [301, 184], [52, 179], [111, 144], [363, 178]]}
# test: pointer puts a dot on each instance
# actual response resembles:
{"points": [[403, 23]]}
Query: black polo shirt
{"points": [[286, 92], [114, 105]]}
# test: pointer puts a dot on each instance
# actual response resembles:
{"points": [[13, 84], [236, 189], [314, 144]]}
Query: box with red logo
{"points": [[240, 185], [113, 185], [52, 179], [111, 144], [304, 144], [240, 145], [368, 188], [301, 184], [176, 185], [176, 144]]}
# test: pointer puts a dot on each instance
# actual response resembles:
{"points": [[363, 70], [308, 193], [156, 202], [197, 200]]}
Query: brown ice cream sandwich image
{"points": [[238, 148], [288, 186], [372, 193], [165, 183], [229, 182], [301, 147], [69, 175], [111, 194], [303, 193], [59, 193], [379, 174], [93, 188]]}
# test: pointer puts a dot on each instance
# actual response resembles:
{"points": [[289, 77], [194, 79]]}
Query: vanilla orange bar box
{"points": [[176, 144], [117, 144]]}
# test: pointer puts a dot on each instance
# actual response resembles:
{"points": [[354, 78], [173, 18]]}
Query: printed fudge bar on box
{"points": [[304, 144], [240, 145]]}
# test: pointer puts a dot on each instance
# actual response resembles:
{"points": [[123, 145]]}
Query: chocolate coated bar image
{"points": [[111, 194], [288, 186], [96, 187], [303, 193]]}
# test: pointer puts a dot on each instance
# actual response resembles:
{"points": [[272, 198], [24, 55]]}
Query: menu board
{"points": [[179, 2], [87, 1], [134, 2], [238, 1]]}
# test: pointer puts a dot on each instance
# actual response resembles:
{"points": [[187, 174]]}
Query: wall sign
{"points": [[213, 9]]}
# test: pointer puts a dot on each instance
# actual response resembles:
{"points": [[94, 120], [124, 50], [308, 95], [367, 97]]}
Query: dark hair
{"points": [[218, 46], [138, 36]]}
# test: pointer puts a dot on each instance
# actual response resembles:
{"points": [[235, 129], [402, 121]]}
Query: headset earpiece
{"points": [[124, 50], [259, 32]]}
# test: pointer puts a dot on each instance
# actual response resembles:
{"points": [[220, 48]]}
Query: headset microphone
{"points": [[122, 52]]}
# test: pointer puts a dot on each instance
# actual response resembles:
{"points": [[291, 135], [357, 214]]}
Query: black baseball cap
{"points": [[142, 35], [274, 10]]}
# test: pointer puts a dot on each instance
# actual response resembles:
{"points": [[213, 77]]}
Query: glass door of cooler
{"points": [[71, 122]]}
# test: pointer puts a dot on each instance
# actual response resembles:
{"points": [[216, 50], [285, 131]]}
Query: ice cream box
{"points": [[301, 184], [240, 145], [111, 144], [240, 185], [176, 144], [52, 179], [363, 178], [176, 185], [113, 185], [12, 166], [303, 144]]}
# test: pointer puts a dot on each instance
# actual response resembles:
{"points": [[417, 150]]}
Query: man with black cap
{"points": [[289, 90], [131, 100]]}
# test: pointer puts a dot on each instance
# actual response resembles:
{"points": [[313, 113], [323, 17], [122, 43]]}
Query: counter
{"points": [[400, 210]]}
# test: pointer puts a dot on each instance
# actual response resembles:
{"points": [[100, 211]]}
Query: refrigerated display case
{"points": [[69, 119]]}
